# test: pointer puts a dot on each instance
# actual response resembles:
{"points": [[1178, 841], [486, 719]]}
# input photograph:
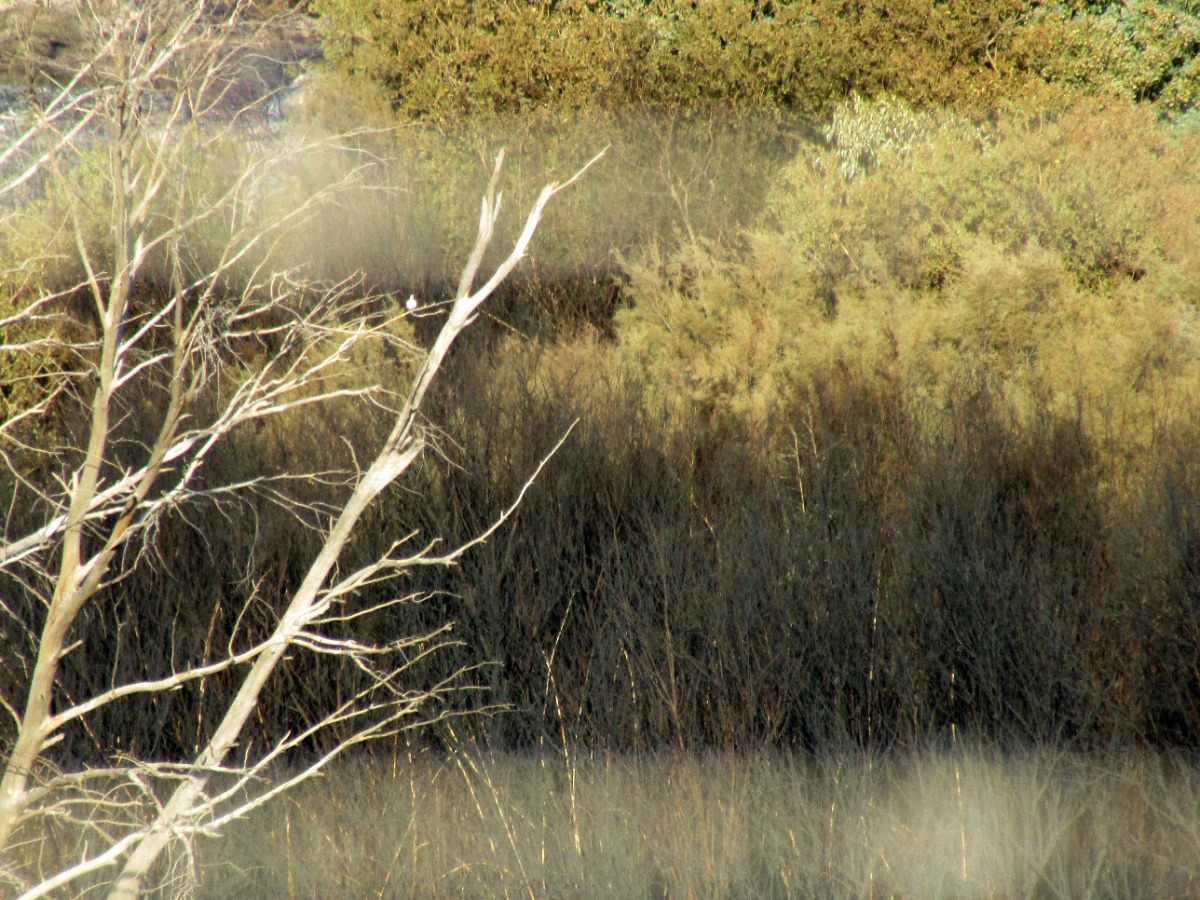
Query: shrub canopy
{"points": [[450, 58]]}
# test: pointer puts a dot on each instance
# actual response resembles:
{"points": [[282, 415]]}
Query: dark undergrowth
{"points": [[867, 570]]}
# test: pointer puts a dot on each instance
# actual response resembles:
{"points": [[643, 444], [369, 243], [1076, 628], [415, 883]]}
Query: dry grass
{"points": [[955, 824]]}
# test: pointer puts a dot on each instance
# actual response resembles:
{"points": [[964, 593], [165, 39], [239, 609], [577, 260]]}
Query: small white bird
{"points": [[412, 302]]}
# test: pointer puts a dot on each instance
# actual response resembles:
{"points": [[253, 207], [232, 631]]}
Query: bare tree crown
{"points": [[159, 100]]}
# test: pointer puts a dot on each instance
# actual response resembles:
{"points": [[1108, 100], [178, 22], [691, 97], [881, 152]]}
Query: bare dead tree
{"points": [[156, 98]]}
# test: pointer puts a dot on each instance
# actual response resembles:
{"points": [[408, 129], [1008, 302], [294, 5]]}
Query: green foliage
{"points": [[25, 374], [716, 333], [38, 259], [450, 57], [453, 58], [867, 133], [927, 53], [1054, 248], [38, 235], [1140, 51]]}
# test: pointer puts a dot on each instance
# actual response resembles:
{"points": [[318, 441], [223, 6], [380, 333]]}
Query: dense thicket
{"points": [[868, 569], [454, 58]]}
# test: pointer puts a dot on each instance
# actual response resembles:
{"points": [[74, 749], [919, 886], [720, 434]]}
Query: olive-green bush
{"points": [[1139, 51], [1056, 250], [453, 58]]}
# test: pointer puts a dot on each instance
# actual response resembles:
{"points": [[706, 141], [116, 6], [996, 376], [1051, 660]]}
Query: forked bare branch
{"points": [[400, 450], [185, 342]]}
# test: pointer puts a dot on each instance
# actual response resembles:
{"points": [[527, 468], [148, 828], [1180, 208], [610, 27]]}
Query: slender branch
{"points": [[399, 451], [111, 855], [178, 344]]}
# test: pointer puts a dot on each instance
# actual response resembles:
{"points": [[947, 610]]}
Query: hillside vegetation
{"points": [[880, 324], [453, 58]]}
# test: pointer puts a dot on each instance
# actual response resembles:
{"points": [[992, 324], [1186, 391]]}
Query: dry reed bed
{"points": [[954, 824]]}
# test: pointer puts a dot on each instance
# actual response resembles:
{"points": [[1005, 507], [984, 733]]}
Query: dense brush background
{"points": [[879, 322]]}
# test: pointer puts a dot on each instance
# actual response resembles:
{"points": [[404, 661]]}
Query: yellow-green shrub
{"points": [[1139, 51], [1051, 252], [452, 58]]}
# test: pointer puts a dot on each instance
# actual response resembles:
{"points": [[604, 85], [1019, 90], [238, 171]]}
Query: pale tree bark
{"points": [[312, 599], [146, 51]]}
